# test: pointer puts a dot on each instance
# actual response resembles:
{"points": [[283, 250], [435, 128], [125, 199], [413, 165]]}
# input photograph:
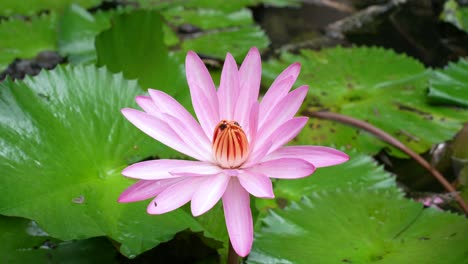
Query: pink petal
{"points": [[317, 155], [253, 123], [256, 184], [257, 154], [203, 92], [286, 168], [228, 91], [170, 106], [208, 193], [147, 104], [279, 137], [287, 132], [236, 204], [164, 107], [145, 189], [159, 169], [198, 143], [279, 89], [285, 110], [250, 74], [174, 196], [159, 130], [196, 169]]}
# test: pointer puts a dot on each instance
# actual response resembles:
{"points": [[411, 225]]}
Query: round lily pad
{"points": [[360, 226], [361, 171], [64, 143], [375, 85], [450, 85]]}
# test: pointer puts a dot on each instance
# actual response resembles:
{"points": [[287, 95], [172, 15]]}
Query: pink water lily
{"points": [[237, 143]]}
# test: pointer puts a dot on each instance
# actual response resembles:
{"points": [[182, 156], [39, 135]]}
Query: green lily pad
{"points": [[237, 41], [456, 15], [77, 29], [208, 18], [63, 146], [135, 46], [361, 171], [225, 26], [25, 242], [225, 6], [29, 7], [25, 39], [374, 85], [450, 85], [360, 226]]}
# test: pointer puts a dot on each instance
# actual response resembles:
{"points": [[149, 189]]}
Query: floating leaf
{"points": [[25, 39], [359, 172], [238, 41], [138, 40], [208, 18], [25, 242], [360, 227], [63, 146], [373, 85], [11, 7], [226, 26], [76, 31], [456, 15], [450, 85]]}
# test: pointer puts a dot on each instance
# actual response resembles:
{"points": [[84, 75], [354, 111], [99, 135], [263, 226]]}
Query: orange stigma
{"points": [[230, 145]]}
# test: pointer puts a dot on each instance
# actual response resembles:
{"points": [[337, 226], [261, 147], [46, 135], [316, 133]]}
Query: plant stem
{"points": [[396, 143], [233, 258]]}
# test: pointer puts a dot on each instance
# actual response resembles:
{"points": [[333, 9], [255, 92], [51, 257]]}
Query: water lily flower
{"points": [[238, 144]]}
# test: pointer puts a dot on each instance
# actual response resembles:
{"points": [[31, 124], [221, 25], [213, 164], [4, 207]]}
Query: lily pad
{"points": [[208, 18], [217, 26], [375, 85], [450, 85], [25, 39], [238, 41], [63, 146], [29, 7], [456, 15], [138, 39], [361, 171], [25, 242], [77, 29], [225, 6], [360, 226]]}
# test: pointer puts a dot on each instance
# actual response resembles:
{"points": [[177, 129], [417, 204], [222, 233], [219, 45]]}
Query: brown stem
{"points": [[396, 143], [233, 258]]}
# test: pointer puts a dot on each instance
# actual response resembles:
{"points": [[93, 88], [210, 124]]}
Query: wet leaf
{"points": [[23, 241], [237, 41], [212, 28], [374, 85], [361, 171], [138, 39], [24, 39], [225, 6], [77, 29], [64, 143], [450, 85], [208, 18], [360, 226], [11, 7], [456, 15]]}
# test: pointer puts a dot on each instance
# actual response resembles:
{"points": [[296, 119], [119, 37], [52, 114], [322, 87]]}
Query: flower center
{"points": [[230, 145]]}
